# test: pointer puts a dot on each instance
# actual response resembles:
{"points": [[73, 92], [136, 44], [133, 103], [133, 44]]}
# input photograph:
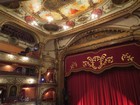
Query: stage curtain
{"points": [[118, 86]]}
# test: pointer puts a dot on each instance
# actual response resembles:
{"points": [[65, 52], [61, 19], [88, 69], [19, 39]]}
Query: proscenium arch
{"points": [[124, 35]]}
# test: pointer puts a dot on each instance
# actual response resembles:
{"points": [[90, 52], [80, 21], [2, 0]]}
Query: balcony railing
{"points": [[10, 58], [14, 79]]}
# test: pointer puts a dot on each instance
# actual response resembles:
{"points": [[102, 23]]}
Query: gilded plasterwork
{"points": [[127, 57], [73, 65], [97, 62], [95, 34]]}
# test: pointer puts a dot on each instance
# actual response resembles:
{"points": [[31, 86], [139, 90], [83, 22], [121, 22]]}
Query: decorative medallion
{"points": [[97, 62], [82, 18], [51, 27], [29, 19], [70, 23]]}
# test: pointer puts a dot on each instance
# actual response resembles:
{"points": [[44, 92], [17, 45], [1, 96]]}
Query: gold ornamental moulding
{"points": [[100, 60], [127, 57]]}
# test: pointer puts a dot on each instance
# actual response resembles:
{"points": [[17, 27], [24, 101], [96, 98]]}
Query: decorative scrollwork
{"points": [[97, 62], [73, 65], [127, 57]]}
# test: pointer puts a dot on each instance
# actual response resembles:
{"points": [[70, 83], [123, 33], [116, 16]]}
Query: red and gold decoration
{"points": [[70, 23], [97, 62], [101, 60], [29, 19], [96, 13]]}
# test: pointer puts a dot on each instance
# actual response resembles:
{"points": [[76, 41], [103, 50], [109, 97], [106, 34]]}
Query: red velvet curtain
{"points": [[118, 86]]}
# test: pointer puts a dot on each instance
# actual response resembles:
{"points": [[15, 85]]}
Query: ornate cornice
{"points": [[99, 37], [94, 34], [95, 38], [124, 12]]}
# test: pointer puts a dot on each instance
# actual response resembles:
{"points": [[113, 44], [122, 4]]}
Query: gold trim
{"points": [[102, 60], [104, 69], [127, 57], [109, 66], [105, 49], [73, 65], [117, 36]]}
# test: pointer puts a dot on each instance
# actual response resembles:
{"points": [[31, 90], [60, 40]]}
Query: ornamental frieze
{"points": [[4, 79]]}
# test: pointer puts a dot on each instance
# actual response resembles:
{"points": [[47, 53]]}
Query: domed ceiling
{"points": [[57, 16]]}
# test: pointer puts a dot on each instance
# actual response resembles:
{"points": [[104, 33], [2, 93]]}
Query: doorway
{"points": [[2, 95]]}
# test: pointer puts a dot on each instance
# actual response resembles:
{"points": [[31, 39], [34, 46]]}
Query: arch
{"points": [[49, 95], [2, 94], [13, 91], [120, 35], [98, 33], [14, 30]]}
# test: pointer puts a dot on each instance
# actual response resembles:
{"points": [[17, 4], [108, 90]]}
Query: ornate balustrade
{"points": [[14, 79], [10, 58]]}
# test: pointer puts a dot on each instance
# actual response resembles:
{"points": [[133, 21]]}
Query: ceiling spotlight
{"points": [[65, 27], [30, 20], [94, 16], [49, 18], [34, 23], [36, 7]]}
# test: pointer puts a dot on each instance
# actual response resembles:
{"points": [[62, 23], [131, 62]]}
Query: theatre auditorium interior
{"points": [[69, 52]]}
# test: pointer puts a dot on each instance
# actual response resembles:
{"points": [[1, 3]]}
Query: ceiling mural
{"points": [[75, 8], [56, 16]]}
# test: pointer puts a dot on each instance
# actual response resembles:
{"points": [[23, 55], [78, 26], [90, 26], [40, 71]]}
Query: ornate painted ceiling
{"points": [[59, 16]]}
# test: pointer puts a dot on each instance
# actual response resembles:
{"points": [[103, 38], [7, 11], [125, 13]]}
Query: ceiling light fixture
{"points": [[34, 23], [49, 18], [31, 20], [36, 7], [96, 14], [10, 56], [65, 27]]}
